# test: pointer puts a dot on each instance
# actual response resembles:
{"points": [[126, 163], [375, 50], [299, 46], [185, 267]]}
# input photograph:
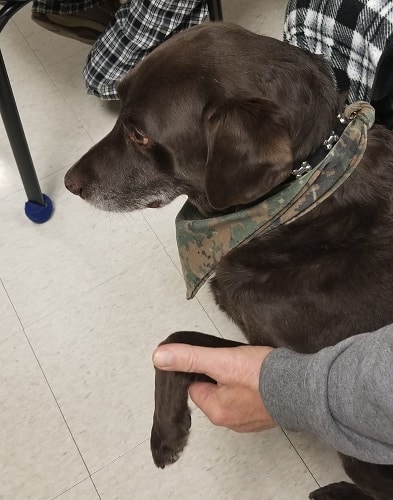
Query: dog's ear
{"points": [[249, 151]]}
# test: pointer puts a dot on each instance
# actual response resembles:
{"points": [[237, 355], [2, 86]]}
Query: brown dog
{"points": [[224, 115]]}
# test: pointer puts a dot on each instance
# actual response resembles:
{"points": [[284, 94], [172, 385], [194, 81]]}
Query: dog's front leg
{"points": [[172, 419]]}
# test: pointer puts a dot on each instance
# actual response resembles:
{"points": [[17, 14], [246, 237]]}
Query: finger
{"points": [[205, 396], [217, 406]]}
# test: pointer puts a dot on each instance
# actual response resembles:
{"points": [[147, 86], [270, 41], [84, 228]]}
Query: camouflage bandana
{"points": [[203, 242]]}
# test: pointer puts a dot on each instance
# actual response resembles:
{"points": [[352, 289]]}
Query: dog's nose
{"points": [[73, 182]]}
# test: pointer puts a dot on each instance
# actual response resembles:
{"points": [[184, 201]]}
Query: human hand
{"points": [[235, 402]]}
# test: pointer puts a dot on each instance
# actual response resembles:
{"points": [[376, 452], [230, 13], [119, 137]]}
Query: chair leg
{"points": [[39, 206], [215, 10], [17, 138]]}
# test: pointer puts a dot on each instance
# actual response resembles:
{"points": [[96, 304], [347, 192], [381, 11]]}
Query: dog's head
{"points": [[217, 113]]}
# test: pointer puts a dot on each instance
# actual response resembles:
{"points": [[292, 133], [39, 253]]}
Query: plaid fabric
{"points": [[139, 26], [350, 34], [63, 7]]}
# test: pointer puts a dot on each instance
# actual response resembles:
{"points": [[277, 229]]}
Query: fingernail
{"points": [[162, 359]]}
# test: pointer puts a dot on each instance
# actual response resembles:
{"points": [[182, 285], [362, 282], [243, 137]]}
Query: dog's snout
{"points": [[74, 182]]}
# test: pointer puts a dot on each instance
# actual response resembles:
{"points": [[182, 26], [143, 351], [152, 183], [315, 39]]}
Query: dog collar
{"points": [[203, 242]]}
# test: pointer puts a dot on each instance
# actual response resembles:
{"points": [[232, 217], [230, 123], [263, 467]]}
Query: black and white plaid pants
{"points": [[139, 26], [351, 34]]}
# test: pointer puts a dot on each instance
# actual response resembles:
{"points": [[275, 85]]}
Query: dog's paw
{"points": [[339, 491], [167, 445]]}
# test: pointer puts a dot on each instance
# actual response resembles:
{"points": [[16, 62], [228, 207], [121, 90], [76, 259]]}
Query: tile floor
{"points": [[85, 298]]}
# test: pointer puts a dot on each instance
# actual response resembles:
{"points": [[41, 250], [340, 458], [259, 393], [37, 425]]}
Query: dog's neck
{"points": [[300, 167], [203, 242]]}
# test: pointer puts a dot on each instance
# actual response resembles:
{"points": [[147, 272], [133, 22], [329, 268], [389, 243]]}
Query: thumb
{"points": [[185, 358], [225, 365]]}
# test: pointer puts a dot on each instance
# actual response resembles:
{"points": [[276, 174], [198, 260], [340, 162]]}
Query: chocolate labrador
{"points": [[229, 117]]}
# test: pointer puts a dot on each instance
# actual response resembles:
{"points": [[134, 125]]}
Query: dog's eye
{"points": [[138, 137]]}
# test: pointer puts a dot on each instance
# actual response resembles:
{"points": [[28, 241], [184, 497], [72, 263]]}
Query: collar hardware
{"points": [[303, 169], [330, 141], [327, 145]]}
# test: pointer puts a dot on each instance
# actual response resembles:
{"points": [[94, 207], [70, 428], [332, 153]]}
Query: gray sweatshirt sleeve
{"points": [[343, 394]]}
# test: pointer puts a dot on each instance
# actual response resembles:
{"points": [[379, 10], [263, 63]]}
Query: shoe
{"points": [[85, 26], [382, 91]]}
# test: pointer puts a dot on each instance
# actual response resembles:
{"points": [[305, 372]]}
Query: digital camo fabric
{"points": [[203, 242]]}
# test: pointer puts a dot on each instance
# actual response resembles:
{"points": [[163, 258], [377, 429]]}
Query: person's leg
{"points": [[139, 26], [350, 34]]}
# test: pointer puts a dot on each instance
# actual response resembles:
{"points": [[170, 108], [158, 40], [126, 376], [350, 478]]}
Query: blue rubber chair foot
{"points": [[39, 213]]}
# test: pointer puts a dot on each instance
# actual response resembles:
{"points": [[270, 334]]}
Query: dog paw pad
{"points": [[166, 449]]}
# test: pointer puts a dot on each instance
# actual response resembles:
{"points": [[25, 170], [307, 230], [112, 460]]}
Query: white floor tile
{"points": [[21, 62], [216, 464], [10, 323], [97, 117], [38, 457], [50, 125], [323, 462], [162, 221], [99, 351], [48, 46], [265, 18], [82, 491], [56, 137], [46, 266]]}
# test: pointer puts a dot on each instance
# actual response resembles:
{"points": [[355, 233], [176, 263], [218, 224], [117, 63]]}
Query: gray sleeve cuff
{"points": [[282, 386]]}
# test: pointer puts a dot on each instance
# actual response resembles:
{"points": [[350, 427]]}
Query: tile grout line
{"points": [[301, 458], [83, 294], [199, 302], [105, 466], [120, 456], [177, 270], [53, 81], [50, 389], [12, 334], [155, 234], [210, 318], [76, 484]]}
